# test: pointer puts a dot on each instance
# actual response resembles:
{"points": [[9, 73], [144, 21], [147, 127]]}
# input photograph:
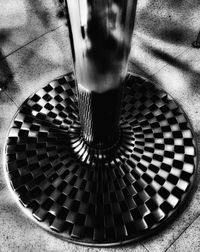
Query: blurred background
{"points": [[34, 49]]}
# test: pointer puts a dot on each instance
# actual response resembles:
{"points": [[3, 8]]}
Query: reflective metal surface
{"points": [[100, 196], [101, 35]]}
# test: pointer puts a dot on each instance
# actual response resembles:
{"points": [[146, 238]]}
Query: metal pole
{"points": [[101, 33]]}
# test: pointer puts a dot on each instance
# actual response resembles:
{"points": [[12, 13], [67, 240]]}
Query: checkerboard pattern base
{"points": [[100, 197]]}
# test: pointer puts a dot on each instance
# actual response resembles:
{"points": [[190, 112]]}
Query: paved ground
{"points": [[34, 49]]}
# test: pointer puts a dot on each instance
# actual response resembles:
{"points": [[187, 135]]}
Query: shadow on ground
{"points": [[169, 20]]}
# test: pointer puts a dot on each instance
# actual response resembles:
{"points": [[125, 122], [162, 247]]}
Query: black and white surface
{"points": [[100, 197]]}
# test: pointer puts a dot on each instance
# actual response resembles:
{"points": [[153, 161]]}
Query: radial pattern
{"points": [[104, 196]]}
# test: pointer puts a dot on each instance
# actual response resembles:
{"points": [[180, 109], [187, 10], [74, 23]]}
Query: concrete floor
{"points": [[34, 49]]}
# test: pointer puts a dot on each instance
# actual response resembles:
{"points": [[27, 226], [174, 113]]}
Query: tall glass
{"points": [[101, 32]]}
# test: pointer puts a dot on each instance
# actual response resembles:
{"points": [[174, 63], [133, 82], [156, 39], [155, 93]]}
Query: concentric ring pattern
{"points": [[100, 197]]}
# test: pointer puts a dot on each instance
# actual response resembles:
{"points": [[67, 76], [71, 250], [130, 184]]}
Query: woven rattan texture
{"points": [[100, 197]]}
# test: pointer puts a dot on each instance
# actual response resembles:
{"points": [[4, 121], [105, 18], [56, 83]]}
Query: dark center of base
{"points": [[99, 116]]}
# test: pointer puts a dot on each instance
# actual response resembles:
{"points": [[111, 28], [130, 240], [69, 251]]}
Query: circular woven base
{"points": [[100, 197]]}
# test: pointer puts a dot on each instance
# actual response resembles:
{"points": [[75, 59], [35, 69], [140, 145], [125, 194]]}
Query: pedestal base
{"points": [[100, 197]]}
